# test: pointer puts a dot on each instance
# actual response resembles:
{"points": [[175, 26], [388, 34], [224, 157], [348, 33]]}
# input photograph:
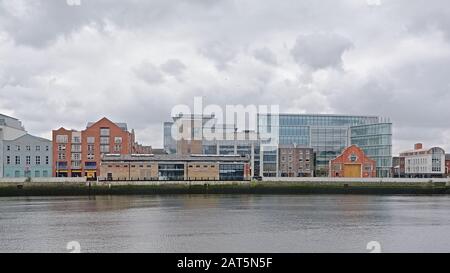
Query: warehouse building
{"points": [[174, 167]]}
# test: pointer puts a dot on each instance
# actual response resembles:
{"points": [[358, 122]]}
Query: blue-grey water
{"points": [[226, 223]]}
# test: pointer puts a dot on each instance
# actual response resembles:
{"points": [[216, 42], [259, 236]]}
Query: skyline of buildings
{"points": [[306, 144]]}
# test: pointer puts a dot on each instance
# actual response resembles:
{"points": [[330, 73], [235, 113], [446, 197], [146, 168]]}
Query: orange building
{"points": [[353, 163], [78, 153]]}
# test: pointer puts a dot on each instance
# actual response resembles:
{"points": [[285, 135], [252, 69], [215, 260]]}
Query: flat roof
{"points": [[320, 115], [175, 158]]}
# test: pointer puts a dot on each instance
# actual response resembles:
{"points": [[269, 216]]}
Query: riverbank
{"points": [[219, 187]]}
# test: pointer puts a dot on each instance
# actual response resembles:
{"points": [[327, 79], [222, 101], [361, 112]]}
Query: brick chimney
{"points": [[418, 146]]}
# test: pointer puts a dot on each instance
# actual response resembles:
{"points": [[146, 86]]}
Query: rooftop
{"points": [[174, 158]]}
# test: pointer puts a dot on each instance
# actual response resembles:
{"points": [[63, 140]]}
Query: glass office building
{"points": [[376, 141], [329, 135]]}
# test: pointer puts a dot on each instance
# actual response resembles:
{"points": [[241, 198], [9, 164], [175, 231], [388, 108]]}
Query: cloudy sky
{"points": [[63, 64]]}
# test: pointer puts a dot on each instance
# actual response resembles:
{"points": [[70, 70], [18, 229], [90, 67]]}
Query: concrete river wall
{"points": [[79, 186]]}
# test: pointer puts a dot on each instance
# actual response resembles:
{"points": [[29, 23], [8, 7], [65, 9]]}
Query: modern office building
{"points": [[328, 136], [170, 144], [202, 134], [10, 129], [236, 143], [174, 167], [424, 163], [27, 156], [78, 153], [295, 161], [353, 163]]}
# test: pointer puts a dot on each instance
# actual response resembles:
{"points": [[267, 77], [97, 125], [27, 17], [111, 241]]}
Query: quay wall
{"points": [[79, 186]]}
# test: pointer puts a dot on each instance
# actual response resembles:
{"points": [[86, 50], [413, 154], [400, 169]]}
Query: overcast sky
{"points": [[132, 61]]}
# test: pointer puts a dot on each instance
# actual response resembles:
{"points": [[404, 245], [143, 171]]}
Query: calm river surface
{"points": [[226, 223]]}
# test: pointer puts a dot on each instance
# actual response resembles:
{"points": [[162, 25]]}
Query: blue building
{"points": [[328, 135], [27, 156]]}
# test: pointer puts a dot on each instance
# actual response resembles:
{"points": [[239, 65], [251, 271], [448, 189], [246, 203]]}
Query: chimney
{"points": [[418, 146]]}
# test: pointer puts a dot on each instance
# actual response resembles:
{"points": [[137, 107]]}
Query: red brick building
{"points": [[78, 153], [353, 163], [447, 165]]}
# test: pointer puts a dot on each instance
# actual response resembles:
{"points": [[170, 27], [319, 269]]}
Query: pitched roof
{"points": [[121, 125]]}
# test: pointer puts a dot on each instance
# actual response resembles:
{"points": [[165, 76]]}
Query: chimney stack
{"points": [[418, 146]]}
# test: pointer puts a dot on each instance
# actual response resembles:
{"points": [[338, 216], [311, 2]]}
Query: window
{"points": [[104, 131], [90, 157], [8, 148], [37, 174], [118, 140], [90, 140], [47, 148], [117, 148], [61, 147], [76, 148], [17, 160], [8, 160], [76, 164], [28, 148], [38, 160], [45, 173], [17, 147], [90, 148], [62, 156], [62, 139], [76, 139], [38, 148], [104, 140], [104, 148], [28, 160], [47, 160]]}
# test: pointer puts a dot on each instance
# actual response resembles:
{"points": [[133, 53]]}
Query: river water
{"points": [[226, 223]]}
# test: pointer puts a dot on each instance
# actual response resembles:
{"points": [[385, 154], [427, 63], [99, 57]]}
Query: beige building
{"points": [[174, 167]]}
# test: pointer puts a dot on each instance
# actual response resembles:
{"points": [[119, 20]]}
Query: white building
{"points": [[10, 129], [424, 163]]}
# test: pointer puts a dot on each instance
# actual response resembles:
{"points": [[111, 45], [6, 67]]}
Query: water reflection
{"points": [[225, 223]]}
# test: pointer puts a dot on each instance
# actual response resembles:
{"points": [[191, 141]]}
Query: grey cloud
{"points": [[320, 50], [211, 46], [173, 67], [149, 72], [221, 53], [265, 55]]}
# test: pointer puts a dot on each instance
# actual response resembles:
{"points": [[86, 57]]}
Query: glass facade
{"points": [[329, 135], [170, 144], [231, 171], [376, 142]]}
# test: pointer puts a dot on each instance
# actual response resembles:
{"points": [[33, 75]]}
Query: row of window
{"points": [[104, 148], [75, 156], [18, 173], [37, 148], [18, 160], [104, 139]]}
